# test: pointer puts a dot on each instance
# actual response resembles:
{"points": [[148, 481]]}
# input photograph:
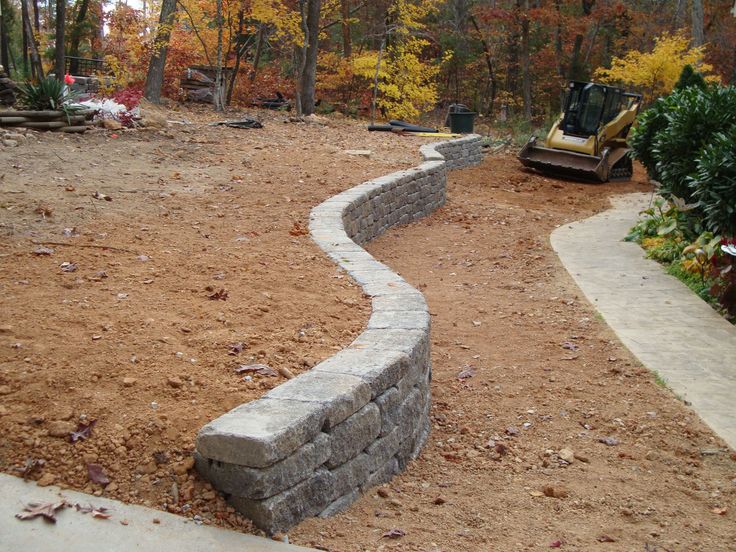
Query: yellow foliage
{"points": [[656, 72], [651, 243], [407, 84]]}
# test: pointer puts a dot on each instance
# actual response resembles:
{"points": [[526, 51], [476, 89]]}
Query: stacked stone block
{"points": [[310, 446]]}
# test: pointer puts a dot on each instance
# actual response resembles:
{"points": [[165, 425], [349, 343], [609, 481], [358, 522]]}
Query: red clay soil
{"points": [[200, 263], [546, 432]]}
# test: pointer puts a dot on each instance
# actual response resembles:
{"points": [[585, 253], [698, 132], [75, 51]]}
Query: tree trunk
{"points": [[309, 71], [4, 57], [218, 94], [76, 35], [526, 81], [558, 41], [259, 51], [59, 48], [30, 43], [347, 46], [697, 22], [242, 48], [155, 75], [36, 17], [489, 65]]}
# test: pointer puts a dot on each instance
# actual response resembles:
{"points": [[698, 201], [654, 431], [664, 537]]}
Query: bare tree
{"points": [[697, 17], [155, 75], [29, 42], [308, 68], [59, 48], [76, 34]]}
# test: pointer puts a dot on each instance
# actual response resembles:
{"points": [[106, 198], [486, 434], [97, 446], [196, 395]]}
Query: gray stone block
{"points": [[262, 483], [286, 509], [379, 369], [381, 450], [260, 433], [383, 475], [407, 320], [388, 404], [414, 343], [352, 474], [341, 394], [340, 505], [410, 301], [353, 435]]}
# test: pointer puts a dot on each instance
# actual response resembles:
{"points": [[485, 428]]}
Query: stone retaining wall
{"points": [[311, 445]]}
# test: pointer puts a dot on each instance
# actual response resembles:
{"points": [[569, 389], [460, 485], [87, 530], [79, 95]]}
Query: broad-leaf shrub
{"points": [[686, 143], [714, 183]]}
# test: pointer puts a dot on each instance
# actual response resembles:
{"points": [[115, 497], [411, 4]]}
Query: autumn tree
{"points": [[655, 72], [155, 75]]}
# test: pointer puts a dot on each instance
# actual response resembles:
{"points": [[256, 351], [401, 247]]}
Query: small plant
{"points": [[48, 94]]}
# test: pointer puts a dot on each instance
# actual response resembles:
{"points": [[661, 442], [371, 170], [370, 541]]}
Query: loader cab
{"points": [[588, 106]]}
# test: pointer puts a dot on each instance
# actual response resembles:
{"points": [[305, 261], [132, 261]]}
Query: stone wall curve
{"points": [[311, 445]]}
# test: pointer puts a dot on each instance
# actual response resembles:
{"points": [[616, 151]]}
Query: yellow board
{"points": [[431, 134]]}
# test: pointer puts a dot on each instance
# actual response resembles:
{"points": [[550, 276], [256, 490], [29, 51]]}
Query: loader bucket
{"points": [[567, 164]]}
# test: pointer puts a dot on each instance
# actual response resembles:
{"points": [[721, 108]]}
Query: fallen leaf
{"points": [[101, 512], [570, 346], [606, 538], [511, 430], [222, 295], [101, 196], [84, 431], [501, 449], [609, 441], [394, 534], [260, 369], [720, 511], [236, 348], [40, 251], [96, 475], [30, 466], [466, 374], [68, 267], [536, 494], [298, 230], [46, 510]]}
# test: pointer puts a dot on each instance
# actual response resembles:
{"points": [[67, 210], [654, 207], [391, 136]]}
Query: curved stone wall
{"points": [[313, 444]]}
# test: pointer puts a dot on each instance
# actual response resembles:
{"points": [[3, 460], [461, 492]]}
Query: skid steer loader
{"points": [[588, 141]]}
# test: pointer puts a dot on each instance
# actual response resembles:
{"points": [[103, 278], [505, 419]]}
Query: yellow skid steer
{"points": [[588, 141]]}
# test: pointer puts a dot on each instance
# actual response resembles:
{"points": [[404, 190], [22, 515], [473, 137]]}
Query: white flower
{"points": [[730, 249]]}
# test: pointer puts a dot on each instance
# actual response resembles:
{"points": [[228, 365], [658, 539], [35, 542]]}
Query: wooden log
{"points": [[45, 125], [13, 120], [33, 114], [71, 129]]}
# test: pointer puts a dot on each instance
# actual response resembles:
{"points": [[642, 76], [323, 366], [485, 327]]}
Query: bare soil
{"points": [[547, 375], [523, 367], [204, 245]]}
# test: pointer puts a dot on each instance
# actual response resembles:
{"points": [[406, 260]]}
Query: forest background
{"points": [[506, 59]]}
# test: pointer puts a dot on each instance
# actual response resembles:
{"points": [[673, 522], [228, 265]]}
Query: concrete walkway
{"points": [[83, 533], [664, 324]]}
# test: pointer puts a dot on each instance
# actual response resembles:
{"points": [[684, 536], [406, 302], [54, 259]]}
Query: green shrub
{"points": [[695, 118], [690, 77], [48, 94], [714, 183], [653, 121]]}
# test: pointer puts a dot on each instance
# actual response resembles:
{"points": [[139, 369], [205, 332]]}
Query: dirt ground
{"points": [[548, 375], [133, 339], [136, 333]]}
